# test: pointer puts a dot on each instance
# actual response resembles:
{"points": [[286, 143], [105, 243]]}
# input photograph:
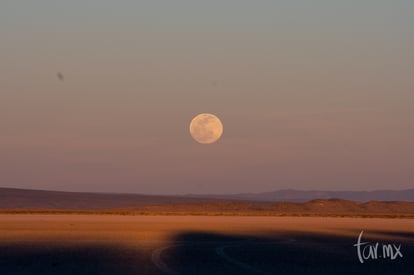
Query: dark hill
{"points": [[24, 198], [292, 195]]}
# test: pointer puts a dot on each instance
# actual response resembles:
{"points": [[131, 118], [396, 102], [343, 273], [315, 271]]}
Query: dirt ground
{"points": [[112, 244]]}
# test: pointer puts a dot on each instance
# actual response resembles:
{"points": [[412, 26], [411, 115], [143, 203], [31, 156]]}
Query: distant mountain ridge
{"points": [[292, 195], [12, 198]]}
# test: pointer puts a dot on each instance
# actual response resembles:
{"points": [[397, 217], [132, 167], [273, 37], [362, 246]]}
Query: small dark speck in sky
{"points": [[60, 76]]}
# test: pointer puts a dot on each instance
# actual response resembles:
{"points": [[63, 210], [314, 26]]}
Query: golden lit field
{"points": [[109, 244]]}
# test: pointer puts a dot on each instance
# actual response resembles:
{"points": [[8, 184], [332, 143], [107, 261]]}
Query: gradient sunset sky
{"points": [[312, 95]]}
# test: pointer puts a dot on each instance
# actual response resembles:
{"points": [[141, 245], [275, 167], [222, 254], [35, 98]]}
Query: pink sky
{"points": [[308, 100]]}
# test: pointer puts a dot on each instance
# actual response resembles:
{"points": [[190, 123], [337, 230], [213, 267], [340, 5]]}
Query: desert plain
{"points": [[137, 244]]}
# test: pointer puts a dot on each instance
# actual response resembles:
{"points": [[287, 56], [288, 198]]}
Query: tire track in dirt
{"points": [[158, 262]]}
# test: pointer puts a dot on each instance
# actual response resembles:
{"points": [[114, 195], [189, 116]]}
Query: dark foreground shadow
{"points": [[284, 253], [207, 253], [54, 258]]}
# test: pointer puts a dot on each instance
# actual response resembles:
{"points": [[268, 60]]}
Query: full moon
{"points": [[206, 128]]}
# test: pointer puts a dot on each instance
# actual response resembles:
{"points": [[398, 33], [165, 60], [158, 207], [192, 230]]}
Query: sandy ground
{"points": [[110, 244]]}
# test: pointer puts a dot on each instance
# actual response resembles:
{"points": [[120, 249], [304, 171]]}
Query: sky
{"points": [[311, 94]]}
